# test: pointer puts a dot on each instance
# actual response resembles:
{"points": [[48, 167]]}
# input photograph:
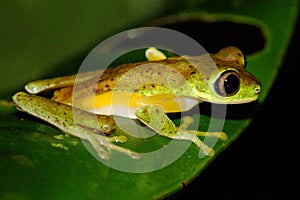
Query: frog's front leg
{"points": [[156, 119], [85, 126]]}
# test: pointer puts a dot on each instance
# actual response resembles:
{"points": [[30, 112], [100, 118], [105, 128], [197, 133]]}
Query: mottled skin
{"points": [[195, 84], [155, 86]]}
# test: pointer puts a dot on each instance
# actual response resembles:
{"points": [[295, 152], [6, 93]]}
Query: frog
{"points": [[146, 91]]}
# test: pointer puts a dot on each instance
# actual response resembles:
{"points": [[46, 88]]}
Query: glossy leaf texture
{"points": [[42, 40]]}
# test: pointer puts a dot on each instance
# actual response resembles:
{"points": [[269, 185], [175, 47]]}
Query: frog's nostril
{"points": [[257, 89]]}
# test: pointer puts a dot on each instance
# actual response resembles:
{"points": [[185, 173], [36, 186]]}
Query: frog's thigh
{"points": [[156, 119], [187, 120]]}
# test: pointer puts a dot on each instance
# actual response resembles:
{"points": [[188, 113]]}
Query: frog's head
{"points": [[231, 83]]}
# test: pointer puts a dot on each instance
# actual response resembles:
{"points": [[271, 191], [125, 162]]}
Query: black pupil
{"points": [[231, 84]]}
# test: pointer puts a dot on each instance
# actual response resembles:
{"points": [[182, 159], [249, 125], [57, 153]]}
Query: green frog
{"points": [[144, 91]]}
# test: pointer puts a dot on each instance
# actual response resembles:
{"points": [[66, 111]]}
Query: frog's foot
{"points": [[183, 135], [153, 54], [156, 119], [187, 120], [103, 146]]}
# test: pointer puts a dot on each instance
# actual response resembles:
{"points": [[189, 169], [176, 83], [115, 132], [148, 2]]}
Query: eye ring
{"points": [[227, 84]]}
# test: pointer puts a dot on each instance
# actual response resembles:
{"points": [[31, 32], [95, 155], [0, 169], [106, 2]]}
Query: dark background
{"points": [[263, 162]]}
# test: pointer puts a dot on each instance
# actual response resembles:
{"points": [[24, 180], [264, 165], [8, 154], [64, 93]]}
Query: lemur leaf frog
{"points": [[145, 91]]}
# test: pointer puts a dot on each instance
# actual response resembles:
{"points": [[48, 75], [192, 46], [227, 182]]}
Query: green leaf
{"points": [[40, 40]]}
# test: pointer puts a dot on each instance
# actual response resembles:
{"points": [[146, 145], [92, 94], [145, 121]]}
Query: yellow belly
{"points": [[125, 103]]}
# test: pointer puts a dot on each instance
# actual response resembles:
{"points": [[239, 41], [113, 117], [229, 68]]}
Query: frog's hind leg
{"points": [[156, 119], [187, 120], [85, 126]]}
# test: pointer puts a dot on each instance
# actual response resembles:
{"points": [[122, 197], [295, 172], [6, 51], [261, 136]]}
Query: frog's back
{"points": [[147, 78]]}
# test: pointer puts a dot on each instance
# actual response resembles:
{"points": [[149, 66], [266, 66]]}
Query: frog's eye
{"points": [[227, 84]]}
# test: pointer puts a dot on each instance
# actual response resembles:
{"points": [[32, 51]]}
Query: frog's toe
{"points": [[221, 135], [128, 152], [208, 151], [120, 138], [186, 121]]}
